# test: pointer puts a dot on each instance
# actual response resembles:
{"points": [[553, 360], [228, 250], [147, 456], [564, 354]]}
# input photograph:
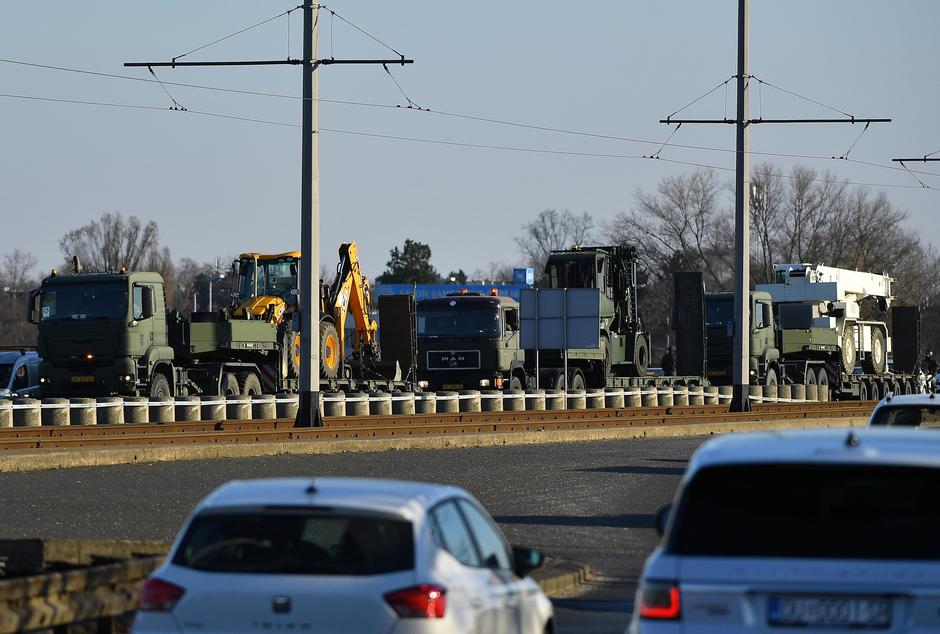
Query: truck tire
{"points": [[159, 386], [329, 351], [770, 377], [822, 377], [876, 361], [874, 391], [290, 355], [248, 384], [229, 385], [641, 357], [848, 348], [577, 380], [863, 391], [606, 363], [809, 377], [516, 382]]}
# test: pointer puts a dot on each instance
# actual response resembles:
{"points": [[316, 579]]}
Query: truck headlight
{"points": [[422, 384], [484, 382]]}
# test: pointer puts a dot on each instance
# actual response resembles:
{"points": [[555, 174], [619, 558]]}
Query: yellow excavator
{"points": [[268, 288]]}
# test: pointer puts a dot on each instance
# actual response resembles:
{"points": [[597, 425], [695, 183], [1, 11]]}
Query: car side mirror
{"points": [[147, 305], [662, 519], [32, 308], [525, 560]]}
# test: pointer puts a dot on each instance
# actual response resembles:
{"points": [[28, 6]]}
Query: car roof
{"points": [[408, 499], [909, 399], [883, 446], [11, 356]]}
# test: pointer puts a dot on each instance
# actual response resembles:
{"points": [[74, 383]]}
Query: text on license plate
{"points": [[831, 611], [453, 386], [86, 378]]}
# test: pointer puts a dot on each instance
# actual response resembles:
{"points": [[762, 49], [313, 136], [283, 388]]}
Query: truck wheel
{"points": [[606, 363], [577, 380], [159, 386], [874, 391], [810, 377], [290, 354], [329, 351], [515, 383], [848, 348], [875, 361], [863, 391], [229, 386], [822, 378], [770, 378], [641, 358], [248, 384]]}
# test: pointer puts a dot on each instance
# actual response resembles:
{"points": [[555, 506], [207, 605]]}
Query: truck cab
{"points": [[719, 328], [101, 333], [469, 341]]}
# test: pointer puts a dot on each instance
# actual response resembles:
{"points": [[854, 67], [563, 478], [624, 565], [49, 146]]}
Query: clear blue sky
{"points": [[219, 186]]}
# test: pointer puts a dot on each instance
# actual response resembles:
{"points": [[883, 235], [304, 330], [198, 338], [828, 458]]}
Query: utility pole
{"points": [[308, 412], [742, 239]]}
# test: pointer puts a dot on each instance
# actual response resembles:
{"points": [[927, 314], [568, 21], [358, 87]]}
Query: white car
{"points": [[907, 410], [330, 555], [806, 532]]}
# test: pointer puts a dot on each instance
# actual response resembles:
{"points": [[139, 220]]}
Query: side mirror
{"points": [[148, 304], [525, 560], [512, 320], [293, 269], [32, 308], [662, 519]]}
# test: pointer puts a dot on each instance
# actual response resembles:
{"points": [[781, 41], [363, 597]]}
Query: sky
{"points": [[218, 186]]}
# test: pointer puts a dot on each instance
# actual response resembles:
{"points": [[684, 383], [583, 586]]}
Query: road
{"points": [[593, 502]]}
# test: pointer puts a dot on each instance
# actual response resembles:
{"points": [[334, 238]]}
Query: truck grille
{"points": [[453, 359]]}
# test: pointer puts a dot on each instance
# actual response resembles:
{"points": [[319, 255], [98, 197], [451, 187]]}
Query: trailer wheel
{"points": [[229, 386], [577, 380], [810, 377], [641, 357], [248, 384], [290, 354], [329, 351], [159, 386], [875, 361], [822, 378], [848, 348], [874, 391], [770, 378], [515, 383]]}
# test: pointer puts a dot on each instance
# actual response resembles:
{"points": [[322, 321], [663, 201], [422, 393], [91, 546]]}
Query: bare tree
{"points": [[552, 230], [493, 273], [113, 241], [16, 280]]}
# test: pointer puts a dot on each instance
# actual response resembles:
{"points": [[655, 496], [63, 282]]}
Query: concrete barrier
{"points": [[680, 395], [380, 403], [576, 399], [403, 403], [633, 397], [711, 395], [286, 405], [595, 399], [812, 392], [770, 393], [110, 410], [425, 403], [513, 400], [798, 392], [29, 415], [211, 408], [469, 400], [334, 403], [263, 407], [755, 393], [555, 399], [822, 392], [535, 399], [161, 410], [696, 395], [188, 409], [664, 397], [491, 400], [236, 408], [648, 397], [783, 391], [82, 411], [137, 410], [725, 392], [55, 412], [6, 413], [447, 402], [357, 403], [613, 397]]}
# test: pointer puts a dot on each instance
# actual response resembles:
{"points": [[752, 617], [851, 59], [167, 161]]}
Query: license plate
{"points": [[83, 379], [717, 373], [453, 386], [829, 611]]}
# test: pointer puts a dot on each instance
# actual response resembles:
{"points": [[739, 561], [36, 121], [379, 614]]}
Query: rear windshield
{"points": [[297, 543], [908, 416], [831, 511]]}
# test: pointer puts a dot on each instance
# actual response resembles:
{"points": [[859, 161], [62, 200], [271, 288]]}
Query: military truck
{"points": [[469, 341]]}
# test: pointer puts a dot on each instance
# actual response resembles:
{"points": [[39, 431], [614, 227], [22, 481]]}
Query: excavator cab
{"points": [[266, 285]]}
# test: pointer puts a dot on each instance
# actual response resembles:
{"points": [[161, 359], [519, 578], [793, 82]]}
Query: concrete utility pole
{"points": [[742, 226]]}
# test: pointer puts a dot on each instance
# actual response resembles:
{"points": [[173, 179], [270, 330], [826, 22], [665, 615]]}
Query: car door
{"points": [[505, 588], [20, 385]]}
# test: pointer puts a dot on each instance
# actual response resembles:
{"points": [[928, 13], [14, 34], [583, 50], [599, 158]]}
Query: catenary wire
{"points": [[696, 100], [231, 35], [360, 29], [799, 96]]}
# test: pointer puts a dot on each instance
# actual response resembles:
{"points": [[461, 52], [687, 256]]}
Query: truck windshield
{"points": [[718, 312], [572, 273], [455, 321], [93, 300]]}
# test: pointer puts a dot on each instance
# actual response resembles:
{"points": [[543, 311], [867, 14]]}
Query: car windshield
{"points": [[458, 321], [92, 300], [718, 312], [812, 511], [907, 416], [6, 369], [297, 542]]}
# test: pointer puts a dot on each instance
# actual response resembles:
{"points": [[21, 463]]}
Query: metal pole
{"points": [[742, 273], [210, 294], [308, 412]]}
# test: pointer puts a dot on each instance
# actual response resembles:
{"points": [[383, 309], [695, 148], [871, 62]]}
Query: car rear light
{"points": [[159, 596], [659, 600], [424, 601]]}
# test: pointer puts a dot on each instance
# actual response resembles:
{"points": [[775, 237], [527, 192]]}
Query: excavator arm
{"points": [[350, 294]]}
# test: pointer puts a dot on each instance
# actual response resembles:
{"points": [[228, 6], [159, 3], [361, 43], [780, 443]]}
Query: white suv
{"points": [[800, 531], [343, 555]]}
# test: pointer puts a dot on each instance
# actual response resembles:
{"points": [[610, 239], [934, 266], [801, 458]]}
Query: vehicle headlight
{"points": [[484, 382], [422, 384]]}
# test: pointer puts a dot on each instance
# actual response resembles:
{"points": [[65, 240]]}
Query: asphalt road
{"points": [[591, 502]]}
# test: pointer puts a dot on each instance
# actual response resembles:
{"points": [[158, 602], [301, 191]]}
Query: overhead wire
{"points": [[799, 96], [360, 29], [697, 99], [176, 104], [239, 32]]}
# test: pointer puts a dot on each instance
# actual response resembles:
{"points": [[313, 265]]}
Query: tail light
{"points": [[159, 596], [659, 600], [424, 601]]}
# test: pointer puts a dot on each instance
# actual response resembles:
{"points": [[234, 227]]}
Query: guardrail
{"points": [[113, 410]]}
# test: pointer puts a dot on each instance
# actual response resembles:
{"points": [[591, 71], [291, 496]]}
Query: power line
{"points": [[799, 96], [358, 28], [239, 32]]}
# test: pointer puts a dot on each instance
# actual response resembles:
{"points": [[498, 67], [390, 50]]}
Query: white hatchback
{"points": [[822, 531], [331, 555]]}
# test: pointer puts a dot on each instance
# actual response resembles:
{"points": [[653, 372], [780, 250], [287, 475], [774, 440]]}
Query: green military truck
{"points": [[469, 341]]}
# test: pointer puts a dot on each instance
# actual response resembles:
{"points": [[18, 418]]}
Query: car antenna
{"points": [[851, 440]]}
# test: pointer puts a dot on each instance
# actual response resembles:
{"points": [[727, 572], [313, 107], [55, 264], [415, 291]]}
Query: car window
{"points": [[267, 542], [907, 416], [20, 378], [809, 511], [450, 533], [492, 547]]}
